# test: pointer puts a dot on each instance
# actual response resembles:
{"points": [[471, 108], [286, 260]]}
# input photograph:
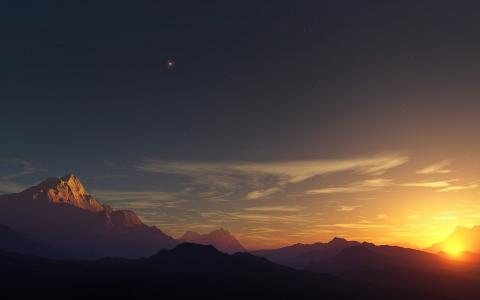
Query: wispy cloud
{"points": [[442, 186], [429, 184], [14, 169], [112, 195], [279, 208], [21, 168], [459, 188], [262, 179], [356, 187], [137, 200], [348, 207], [354, 225], [8, 186], [262, 193], [269, 218], [258, 216], [378, 183], [437, 168]]}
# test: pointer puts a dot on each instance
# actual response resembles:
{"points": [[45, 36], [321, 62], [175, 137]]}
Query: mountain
{"points": [[185, 272], [465, 239], [384, 265], [66, 190], [220, 239], [339, 255], [302, 255], [19, 242], [367, 255], [403, 267], [195, 257], [59, 212]]}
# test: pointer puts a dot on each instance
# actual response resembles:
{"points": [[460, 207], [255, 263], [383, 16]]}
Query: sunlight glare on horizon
{"points": [[454, 249]]}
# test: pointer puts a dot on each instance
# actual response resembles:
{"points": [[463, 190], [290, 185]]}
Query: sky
{"points": [[281, 121]]}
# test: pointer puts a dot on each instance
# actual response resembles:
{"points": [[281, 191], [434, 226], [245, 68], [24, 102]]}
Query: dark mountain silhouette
{"points": [[340, 254], [60, 213], [220, 239], [384, 265], [302, 255], [185, 272], [403, 267], [206, 258], [19, 242], [378, 257], [469, 239]]}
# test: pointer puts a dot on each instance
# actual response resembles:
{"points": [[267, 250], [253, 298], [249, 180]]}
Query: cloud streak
{"points": [[344, 208], [18, 168], [263, 179], [442, 186], [138, 200], [458, 188], [378, 183], [437, 168], [8, 186], [356, 187], [279, 208]]}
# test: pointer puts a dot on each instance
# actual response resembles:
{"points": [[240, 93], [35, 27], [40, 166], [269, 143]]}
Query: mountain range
{"points": [[57, 231], [220, 239], [383, 265], [340, 254], [60, 215], [184, 272]]}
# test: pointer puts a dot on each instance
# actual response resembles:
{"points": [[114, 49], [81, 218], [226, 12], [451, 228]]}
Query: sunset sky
{"points": [[281, 122]]}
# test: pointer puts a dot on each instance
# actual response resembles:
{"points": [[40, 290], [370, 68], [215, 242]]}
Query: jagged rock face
{"points": [[59, 212], [220, 239], [125, 218], [64, 190]]}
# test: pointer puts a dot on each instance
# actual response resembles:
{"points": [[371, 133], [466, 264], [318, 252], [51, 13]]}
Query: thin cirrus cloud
{"points": [[353, 225], [18, 168], [262, 179], [441, 186], [262, 193], [8, 186], [258, 217], [348, 207], [378, 183], [356, 187], [437, 168], [112, 196], [458, 188], [430, 184], [137, 199], [278, 208], [23, 167]]}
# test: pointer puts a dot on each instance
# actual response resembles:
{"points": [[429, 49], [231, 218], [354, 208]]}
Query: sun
{"points": [[454, 249]]}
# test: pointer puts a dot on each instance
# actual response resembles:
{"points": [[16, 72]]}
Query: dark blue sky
{"points": [[91, 78], [84, 85]]}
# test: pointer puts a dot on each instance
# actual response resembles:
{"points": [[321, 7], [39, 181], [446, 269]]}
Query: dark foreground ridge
{"points": [[186, 272]]}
